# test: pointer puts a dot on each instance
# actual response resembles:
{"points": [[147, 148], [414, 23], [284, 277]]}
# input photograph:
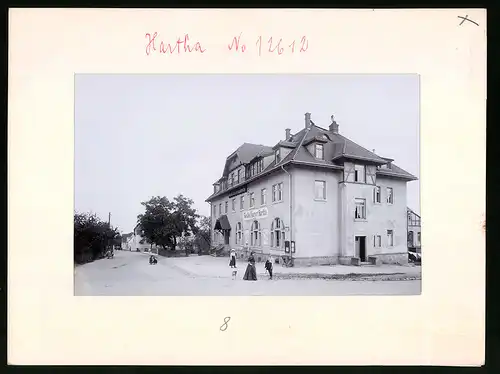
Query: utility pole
{"points": [[109, 228]]}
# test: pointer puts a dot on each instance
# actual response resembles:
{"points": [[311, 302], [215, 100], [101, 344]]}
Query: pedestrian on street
{"points": [[250, 273], [232, 257], [269, 266]]}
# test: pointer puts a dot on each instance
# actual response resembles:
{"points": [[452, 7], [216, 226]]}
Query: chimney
{"points": [[308, 119], [334, 126], [287, 134]]}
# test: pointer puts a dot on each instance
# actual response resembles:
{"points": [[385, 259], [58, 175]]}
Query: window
{"points": [[377, 241], [418, 238], [359, 173], [263, 196], [252, 200], [410, 238], [255, 232], [277, 234], [225, 208], [320, 190], [318, 151], [360, 209], [277, 192], [390, 196], [242, 202], [215, 210], [220, 209], [376, 194], [277, 155], [238, 233], [260, 165], [231, 179], [238, 176], [390, 238]]}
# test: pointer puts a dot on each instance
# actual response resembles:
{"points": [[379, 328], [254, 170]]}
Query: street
{"points": [[129, 274]]}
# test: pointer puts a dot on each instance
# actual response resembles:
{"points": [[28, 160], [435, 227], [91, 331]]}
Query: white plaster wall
{"points": [[275, 210], [379, 217], [316, 223]]}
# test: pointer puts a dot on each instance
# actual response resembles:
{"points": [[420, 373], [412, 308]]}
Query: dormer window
{"points": [[232, 179], [277, 155], [260, 165], [318, 151], [359, 173], [238, 176]]}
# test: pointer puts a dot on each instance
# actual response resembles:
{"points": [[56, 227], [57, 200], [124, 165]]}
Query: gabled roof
{"points": [[412, 211], [336, 148], [396, 172], [246, 153]]}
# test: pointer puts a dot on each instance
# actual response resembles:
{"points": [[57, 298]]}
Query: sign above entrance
{"points": [[239, 191], [255, 214]]}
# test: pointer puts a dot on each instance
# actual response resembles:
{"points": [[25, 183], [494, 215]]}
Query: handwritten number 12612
{"points": [[276, 46]]}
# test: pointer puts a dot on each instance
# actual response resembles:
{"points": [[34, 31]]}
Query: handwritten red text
{"points": [[280, 46], [236, 44], [181, 45]]}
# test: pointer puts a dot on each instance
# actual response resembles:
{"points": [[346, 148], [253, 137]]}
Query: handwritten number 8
{"points": [[224, 325]]}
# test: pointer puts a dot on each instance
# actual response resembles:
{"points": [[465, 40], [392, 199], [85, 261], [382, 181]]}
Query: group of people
{"points": [[251, 272], [152, 260]]}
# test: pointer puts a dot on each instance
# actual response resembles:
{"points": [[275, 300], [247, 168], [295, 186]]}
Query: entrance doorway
{"points": [[226, 237], [361, 248]]}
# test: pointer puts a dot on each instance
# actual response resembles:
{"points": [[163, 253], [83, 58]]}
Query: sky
{"points": [[138, 136]]}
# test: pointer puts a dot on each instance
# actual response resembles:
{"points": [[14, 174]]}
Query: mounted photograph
{"points": [[247, 185]]}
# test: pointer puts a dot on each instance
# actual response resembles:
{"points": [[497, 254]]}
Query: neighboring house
{"points": [[317, 191], [414, 232], [126, 238], [138, 242]]}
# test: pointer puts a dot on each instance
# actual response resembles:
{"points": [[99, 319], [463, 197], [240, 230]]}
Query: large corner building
{"points": [[329, 199]]}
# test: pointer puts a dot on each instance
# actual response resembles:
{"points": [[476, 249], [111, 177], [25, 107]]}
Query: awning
{"points": [[222, 223]]}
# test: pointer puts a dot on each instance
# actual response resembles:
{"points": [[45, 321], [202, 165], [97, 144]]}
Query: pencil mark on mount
{"points": [[225, 324], [467, 19]]}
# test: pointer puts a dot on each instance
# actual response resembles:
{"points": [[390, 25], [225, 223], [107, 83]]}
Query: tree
{"points": [[91, 236], [202, 236], [164, 221]]}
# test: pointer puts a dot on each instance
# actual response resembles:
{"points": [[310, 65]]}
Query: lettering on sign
{"points": [[255, 214]]}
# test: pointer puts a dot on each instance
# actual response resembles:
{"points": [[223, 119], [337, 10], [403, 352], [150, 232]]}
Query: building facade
{"points": [[315, 195], [414, 232]]}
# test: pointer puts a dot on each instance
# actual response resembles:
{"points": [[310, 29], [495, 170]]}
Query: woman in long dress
{"points": [[232, 261], [250, 273]]}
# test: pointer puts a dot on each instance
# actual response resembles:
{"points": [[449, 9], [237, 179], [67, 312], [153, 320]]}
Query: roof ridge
{"points": [[296, 150]]}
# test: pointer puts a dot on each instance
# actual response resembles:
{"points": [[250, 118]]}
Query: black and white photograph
{"points": [[247, 185]]}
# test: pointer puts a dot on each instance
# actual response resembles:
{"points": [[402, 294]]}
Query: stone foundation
{"points": [[392, 258], [345, 260], [315, 261], [376, 259]]}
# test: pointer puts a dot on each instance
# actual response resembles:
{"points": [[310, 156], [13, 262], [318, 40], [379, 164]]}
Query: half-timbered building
{"points": [[315, 195]]}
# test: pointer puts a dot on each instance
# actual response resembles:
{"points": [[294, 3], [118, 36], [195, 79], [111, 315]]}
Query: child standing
{"points": [[232, 261], [269, 267]]}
